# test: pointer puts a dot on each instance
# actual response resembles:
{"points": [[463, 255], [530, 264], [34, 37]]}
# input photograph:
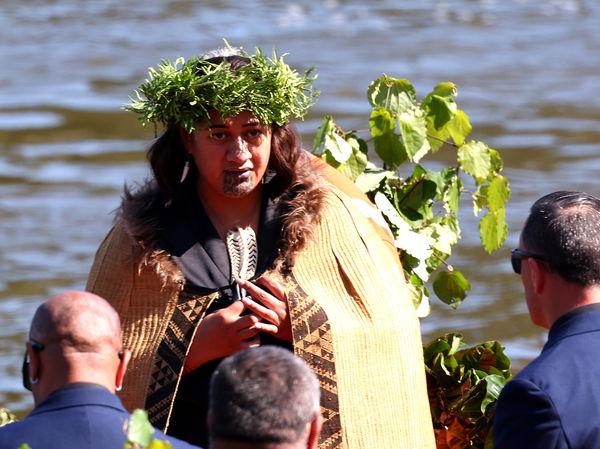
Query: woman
{"points": [[243, 239]]}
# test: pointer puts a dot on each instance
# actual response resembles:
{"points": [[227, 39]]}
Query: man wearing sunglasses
{"points": [[555, 401], [73, 365]]}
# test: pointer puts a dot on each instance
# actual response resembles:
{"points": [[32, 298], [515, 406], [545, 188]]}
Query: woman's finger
{"points": [[246, 321], [266, 327], [257, 293], [262, 311], [273, 286], [248, 333]]}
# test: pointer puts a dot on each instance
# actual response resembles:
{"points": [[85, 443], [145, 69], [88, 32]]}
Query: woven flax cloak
{"points": [[351, 322]]}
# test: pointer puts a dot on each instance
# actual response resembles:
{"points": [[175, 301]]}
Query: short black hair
{"points": [[262, 395], [564, 227]]}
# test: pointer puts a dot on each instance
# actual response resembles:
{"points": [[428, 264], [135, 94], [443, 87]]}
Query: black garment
{"points": [[201, 254]]}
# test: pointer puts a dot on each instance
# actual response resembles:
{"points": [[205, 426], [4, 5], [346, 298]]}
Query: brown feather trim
{"points": [[139, 213], [302, 204], [304, 200]]}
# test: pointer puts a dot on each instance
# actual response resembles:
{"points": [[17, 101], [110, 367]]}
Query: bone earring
{"points": [[186, 170], [34, 381]]}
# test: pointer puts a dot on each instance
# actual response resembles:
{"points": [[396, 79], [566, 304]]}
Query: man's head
{"points": [[75, 337], [560, 249], [264, 398]]}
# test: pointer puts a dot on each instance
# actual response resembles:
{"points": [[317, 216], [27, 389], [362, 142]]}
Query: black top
{"points": [[189, 236]]}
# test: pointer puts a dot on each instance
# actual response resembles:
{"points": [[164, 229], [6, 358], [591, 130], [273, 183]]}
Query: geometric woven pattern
{"points": [[312, 343], [168, 363]]}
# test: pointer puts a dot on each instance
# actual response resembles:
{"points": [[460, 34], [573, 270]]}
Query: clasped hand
{"points": [[230, 330]]}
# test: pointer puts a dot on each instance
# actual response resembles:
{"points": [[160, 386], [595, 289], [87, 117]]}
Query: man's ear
{"points": [[124, 358], [538, 275], [314, 432], [34, 363]]}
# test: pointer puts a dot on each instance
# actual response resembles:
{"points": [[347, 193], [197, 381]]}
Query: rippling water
{"points": [[528, 74]]}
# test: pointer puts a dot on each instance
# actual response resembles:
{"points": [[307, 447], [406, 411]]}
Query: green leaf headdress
{"points": [[184, 92]]}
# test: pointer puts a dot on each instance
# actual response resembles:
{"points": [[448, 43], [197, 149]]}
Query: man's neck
{"points": [[568, 297]]}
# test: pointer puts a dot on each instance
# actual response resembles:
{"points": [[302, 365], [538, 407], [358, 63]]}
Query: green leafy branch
{"points": [[463, 386], [422, 206]]}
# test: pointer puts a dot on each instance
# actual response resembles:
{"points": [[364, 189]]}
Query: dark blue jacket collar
{"points": [[76, 394], [578, 321]]}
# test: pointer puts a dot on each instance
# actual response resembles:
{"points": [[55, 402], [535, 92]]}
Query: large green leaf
{"points": [[445, 236], [492, 230], [440, 105], [498, 193], [474, 159], [387, 143], [459, 127], [370, 180], [493, 386], [139, 430], [480, 198], [413, 129], [497, 163], [339, 148], [396, 95], [451, 190], [356, 163], [451, 287]]}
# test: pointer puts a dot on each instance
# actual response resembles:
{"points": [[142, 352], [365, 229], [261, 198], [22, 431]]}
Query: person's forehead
{"points": [[244, 118]]}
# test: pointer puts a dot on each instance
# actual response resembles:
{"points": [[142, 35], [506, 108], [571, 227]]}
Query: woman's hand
{"points": [[268, 302], [223, 333]]}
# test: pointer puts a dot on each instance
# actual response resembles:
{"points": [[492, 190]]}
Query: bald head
{"points": [[79, 322], [80, 336]]}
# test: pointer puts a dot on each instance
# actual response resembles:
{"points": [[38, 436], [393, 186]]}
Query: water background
{"points": [[528, 74]]}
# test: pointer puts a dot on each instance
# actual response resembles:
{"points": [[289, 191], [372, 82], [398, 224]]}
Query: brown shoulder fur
{"points": [[302, 204]]}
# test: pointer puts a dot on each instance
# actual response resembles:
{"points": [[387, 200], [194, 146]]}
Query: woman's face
{"points": [[231, 154]]}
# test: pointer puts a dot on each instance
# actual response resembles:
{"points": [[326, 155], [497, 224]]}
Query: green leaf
{"points": [[492, 230], [139, 430], [440, 110], [24, 446], [474, 159], [497, 164], [356, 163], [445, 236], [387, 144], [368, 181], [396, 95], [451, 287], [451, 191], [435, 347], [498, 193], [381, 122], [413, 129], [318, 146], [338, 147], [459, 127], [480, 198], [493, 386]]}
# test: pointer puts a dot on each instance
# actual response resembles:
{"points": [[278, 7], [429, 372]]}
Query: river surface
{"points": [[528, 74]]}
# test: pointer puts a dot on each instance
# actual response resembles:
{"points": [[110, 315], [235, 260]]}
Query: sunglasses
{"points": [[516, 255]]}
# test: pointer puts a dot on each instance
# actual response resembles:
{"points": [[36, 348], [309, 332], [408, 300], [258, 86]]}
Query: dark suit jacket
{"points": [[82, 416], [555, 401]]}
